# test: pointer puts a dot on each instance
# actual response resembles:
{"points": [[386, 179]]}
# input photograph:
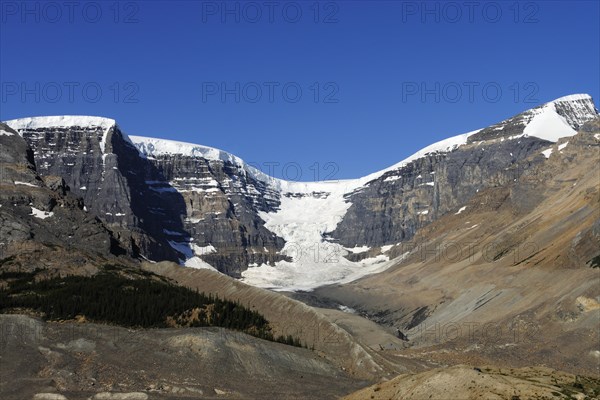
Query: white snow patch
{"points": [[25, 184], [463, 208], [198, 263], [562, 146], [155, 147], [5, 133], [200, 190], [191, 255], [202, 250], [423, 212], [358, 249], [387, 247], [547, 124], [40, 214], [347, 309], [547, 152], [147, 259], [374, 267], [60, 121], [574, 97], [375, 260], [103, 141]]}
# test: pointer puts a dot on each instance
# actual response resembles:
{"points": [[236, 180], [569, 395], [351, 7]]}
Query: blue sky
{"points": [[335, 89]]}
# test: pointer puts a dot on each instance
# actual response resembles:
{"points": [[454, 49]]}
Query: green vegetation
{"points": [[140, 303], [290, 340]]}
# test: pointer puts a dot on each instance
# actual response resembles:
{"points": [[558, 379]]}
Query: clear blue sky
{"points": [[161, 67]]}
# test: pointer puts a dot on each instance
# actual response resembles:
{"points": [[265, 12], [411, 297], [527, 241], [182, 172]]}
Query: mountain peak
{"points": [[61, 121], [574, 97]]}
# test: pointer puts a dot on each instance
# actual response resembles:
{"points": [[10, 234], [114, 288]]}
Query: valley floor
{"points": [[79, 361]]}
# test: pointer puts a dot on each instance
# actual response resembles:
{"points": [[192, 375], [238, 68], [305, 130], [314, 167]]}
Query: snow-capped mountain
{"points": [[209, 209]]}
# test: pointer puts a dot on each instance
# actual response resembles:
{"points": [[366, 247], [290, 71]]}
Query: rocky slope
{"points": [[289, 317], [466, 383], [208, 209], [68, 361], [510, 278]]}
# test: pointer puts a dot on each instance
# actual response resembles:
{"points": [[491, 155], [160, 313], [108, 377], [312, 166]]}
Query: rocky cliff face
{"points": [[206, 208], [100, 165], [42, 224], [220, 213], [392, 207], [162, 208]]}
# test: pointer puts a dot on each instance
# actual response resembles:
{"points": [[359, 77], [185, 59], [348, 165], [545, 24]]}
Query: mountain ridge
{"points": [[150, 146], [206, 208]]}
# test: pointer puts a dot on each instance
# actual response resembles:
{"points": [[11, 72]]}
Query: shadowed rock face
{"points": [[39, 215], [103, 168], [391, 208], [157, 207], [133, 195], [222, 204]]}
